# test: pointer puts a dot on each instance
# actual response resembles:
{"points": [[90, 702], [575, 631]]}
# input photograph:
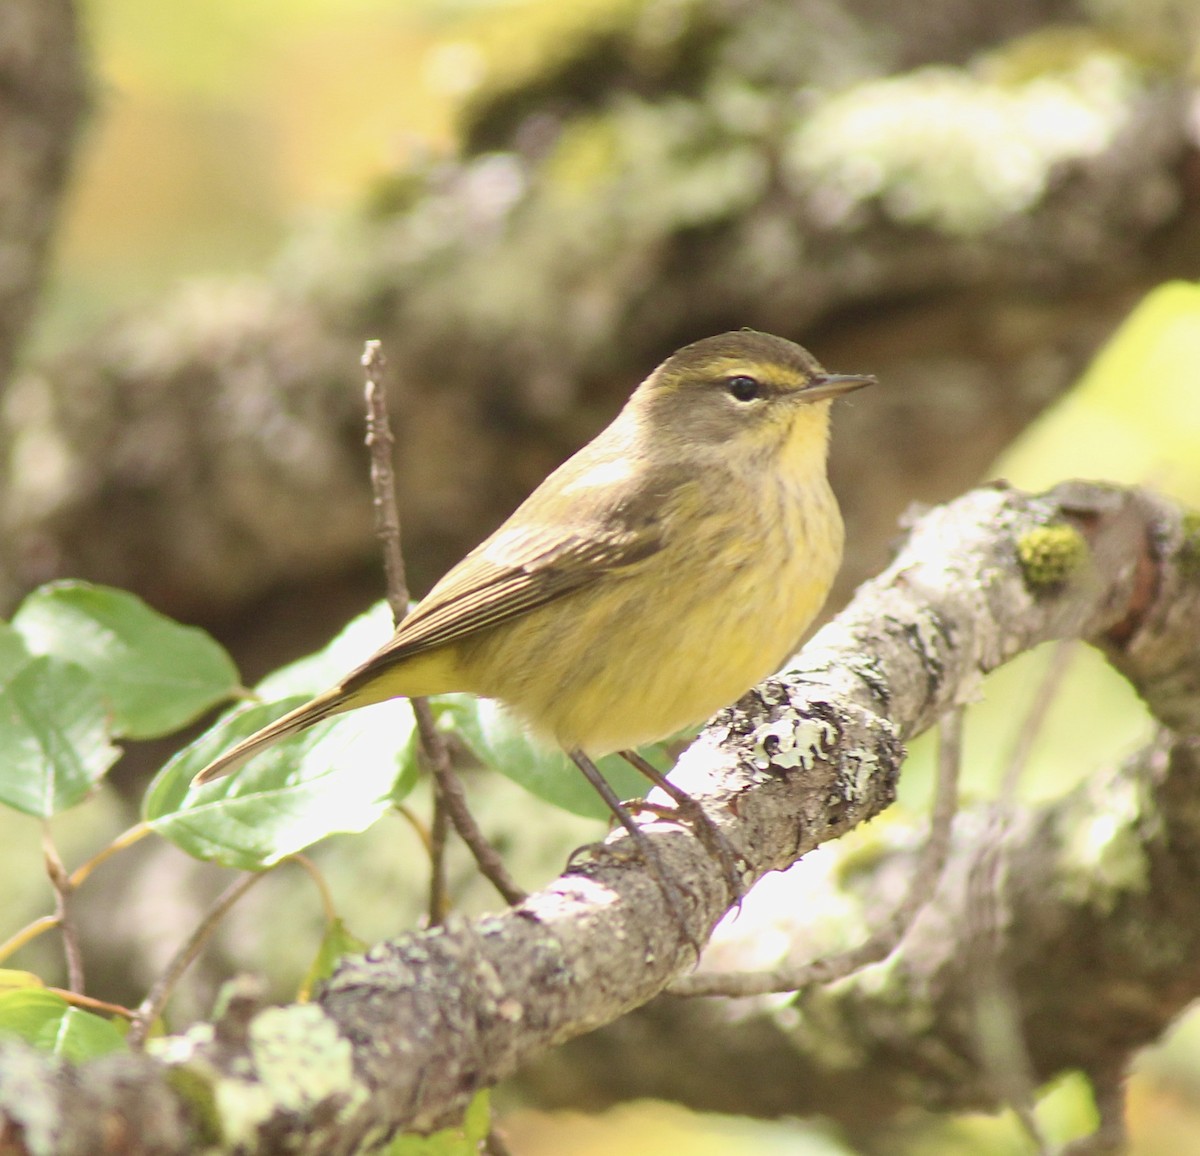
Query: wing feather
{"points": [[515, 571]]}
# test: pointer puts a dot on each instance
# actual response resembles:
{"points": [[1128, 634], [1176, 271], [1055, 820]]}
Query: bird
{"points": [[655, 576]]}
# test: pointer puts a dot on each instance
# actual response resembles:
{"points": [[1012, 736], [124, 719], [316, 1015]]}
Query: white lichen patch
{"points": [[300, 1060], [858, 767], [795, 744]]}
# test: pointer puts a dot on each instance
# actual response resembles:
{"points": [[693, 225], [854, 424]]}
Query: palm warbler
{"points": [[654, 577]]}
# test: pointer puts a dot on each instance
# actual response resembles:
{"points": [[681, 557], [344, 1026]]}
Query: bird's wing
{"points": [[513, 572]]}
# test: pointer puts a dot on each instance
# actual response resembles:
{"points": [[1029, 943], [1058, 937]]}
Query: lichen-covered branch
{"points": [[401, 1037]]}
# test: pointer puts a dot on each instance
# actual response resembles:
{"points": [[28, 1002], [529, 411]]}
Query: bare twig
{"points": [[65, 885], [997, 1018], [27, 934], [60, 880], [1031, 729], [125, 839], [156, 999], [418, 825], [439, 828], [381, 443], [314, 873], [885, 939], [78, 999], [448, 790]]}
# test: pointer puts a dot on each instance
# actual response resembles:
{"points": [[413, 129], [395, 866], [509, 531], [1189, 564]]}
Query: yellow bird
{"points": [[654, 577]]}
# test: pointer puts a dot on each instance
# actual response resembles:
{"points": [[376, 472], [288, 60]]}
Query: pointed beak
{"points": [[827, 385]]}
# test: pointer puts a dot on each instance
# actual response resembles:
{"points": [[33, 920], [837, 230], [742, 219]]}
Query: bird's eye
{"points": [[743, 388]]}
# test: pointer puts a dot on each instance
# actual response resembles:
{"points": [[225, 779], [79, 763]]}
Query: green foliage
{"points": [[542, 770], [338, 941], [338, 777], [81, 665], [49, 1023], [465, 1140], [156, 675], [54, 744]]}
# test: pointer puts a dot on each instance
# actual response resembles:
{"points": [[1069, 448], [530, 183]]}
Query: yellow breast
{"points": [[636, 658]]}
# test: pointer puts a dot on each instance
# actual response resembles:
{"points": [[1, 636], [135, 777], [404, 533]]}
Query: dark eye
{"points": [[743, 388]]}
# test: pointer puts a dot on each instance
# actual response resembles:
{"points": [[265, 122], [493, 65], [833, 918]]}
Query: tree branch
{"points": [[402, 1036]]}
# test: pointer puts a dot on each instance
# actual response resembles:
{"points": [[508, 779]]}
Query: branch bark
{"points": [[402, 1037]]}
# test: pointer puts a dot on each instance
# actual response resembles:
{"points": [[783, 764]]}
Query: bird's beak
{"points": [[827, 385]]}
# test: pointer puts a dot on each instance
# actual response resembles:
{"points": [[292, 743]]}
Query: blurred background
{"points": [[991, 205]]}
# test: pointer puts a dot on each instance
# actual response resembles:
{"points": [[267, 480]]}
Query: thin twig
{"points": [[439, 829], [156, 1000], [125, 839], [27, 934], [1035, 720], [450, 790], [884, 940], [999, 1035], [314, 873], [381, 443], [418, 825], [77, 999], [70, 883], [63, 890], [447, 788]]}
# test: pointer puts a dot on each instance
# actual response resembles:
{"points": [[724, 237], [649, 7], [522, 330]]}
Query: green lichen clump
{"points": [[1049, 555], [1188, 556]]}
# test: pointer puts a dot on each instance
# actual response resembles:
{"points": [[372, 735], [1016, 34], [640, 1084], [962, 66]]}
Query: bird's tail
{"points": [[331, 702]]}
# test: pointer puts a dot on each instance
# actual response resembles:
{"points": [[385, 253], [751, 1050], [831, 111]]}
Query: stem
{"points": [[439, 829], [89, 1004], [125, 839], [152, 1006], [63, 890], [322, 885], [447, 788], [27, 934]]}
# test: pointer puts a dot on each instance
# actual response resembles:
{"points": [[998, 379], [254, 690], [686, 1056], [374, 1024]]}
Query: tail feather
{"points": [[304, 716]]}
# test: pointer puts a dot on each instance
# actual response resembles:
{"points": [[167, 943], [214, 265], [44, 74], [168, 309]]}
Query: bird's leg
{"points": [[667, 884], [690, 810]]}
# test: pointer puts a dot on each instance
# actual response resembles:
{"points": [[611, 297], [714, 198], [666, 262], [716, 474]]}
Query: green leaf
{"points": [[335, 943], [465, 1140], [13, 980], [52, 1025], [158, 675], [338, 776], [54, 744], [503, 744], [14, 654]]}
